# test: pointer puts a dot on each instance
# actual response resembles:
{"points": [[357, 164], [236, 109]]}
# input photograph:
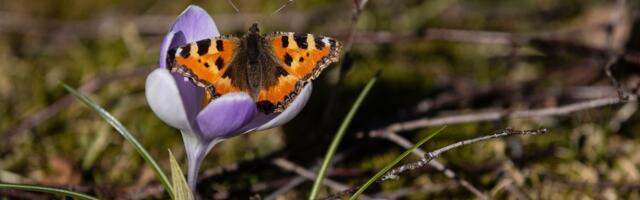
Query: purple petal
{"points": [[263, 121], [195, 24], [167, 43], [223, 117], [192, 25]]}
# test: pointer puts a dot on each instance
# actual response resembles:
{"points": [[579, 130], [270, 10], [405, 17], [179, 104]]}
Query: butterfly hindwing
{"points": [[205, 62]]}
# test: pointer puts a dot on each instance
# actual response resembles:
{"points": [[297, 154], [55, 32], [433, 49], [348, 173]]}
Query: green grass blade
{"points": [[127, 135], [50, 190], [393, 163], [183, 192], [338, 137]]}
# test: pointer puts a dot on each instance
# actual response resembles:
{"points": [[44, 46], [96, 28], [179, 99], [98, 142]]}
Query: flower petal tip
{"points": [[193, 24], [196, 24]]}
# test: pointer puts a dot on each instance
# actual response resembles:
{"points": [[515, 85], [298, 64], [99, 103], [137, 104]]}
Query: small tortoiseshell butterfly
{"points": [[272, 69]]}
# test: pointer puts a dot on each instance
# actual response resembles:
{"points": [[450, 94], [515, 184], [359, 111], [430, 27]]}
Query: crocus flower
{"points": [[179, 103]]}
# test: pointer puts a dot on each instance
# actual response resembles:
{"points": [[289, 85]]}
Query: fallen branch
{"points": [[498, 115], [437, 165], [393, 174]]}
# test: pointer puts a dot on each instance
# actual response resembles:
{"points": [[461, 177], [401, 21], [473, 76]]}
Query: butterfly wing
{"points": [[205, 62], [300, 57], [304, 55]]}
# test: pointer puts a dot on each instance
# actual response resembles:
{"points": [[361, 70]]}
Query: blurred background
{"points": [[479, 66]]}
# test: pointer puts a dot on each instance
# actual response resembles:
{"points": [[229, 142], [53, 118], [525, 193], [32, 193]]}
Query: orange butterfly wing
{"points": [[205, 62], [302, 56]]}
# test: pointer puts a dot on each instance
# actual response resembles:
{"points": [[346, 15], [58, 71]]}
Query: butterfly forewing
{"points": [[301, 58], [304, 55], [205, 62]]}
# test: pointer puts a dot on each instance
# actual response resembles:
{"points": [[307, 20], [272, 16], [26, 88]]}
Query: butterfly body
{"points": [[272, 69]]}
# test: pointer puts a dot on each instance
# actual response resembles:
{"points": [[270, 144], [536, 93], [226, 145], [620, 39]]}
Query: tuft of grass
{"points": [[338, 137], [393, 163], [127, 136], [50, 190]]}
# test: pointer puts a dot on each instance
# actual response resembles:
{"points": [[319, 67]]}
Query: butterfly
{"points": [[272, 69]]}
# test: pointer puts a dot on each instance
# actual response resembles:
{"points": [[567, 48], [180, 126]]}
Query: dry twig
{"points": [[393, 174], [436, 165], [346, 62], [497, 115]]}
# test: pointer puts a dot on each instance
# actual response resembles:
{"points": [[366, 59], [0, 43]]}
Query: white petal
{"points": [[164, 99]]}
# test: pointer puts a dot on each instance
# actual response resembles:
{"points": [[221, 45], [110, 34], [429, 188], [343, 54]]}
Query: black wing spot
{"points": [[281, 72], [203, 46], [288, 59], [285, 41], [300, 59], [307, 54], [266, 107], [219, 45], [185, 51], [301, 40], [199, 60], [219, 63], [319, 43], [206, 65], [171, 57]]}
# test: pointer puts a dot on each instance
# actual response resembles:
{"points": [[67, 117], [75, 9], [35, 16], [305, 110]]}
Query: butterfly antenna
{"points": [[234, 6], [282, 7]]}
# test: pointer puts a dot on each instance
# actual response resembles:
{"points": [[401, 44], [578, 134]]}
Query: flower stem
{"points": [[194, 160], [197, 150]]}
